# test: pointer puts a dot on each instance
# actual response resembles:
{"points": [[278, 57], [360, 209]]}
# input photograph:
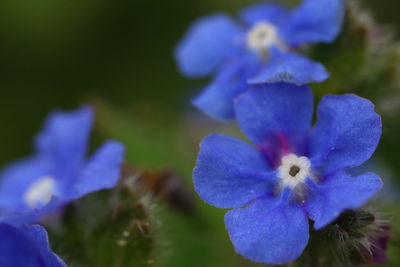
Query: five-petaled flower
{"points": [[58, 170], [294, 172], [26, 246], [259, 50]]}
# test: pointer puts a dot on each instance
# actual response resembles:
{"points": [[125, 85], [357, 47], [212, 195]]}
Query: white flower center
{"points": [[40, 192], [262, 36], [294, 170]]}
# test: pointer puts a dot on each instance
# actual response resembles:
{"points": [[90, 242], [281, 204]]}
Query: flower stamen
{"points": [[40, 192], [294, 170], [262, 36]]}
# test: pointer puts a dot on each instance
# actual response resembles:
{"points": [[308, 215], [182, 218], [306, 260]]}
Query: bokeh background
{"points": [[54, 54], [118, 55]]}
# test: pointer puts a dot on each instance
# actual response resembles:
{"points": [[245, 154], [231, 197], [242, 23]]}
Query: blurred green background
{"points": [[118, 54], [59, 53]]}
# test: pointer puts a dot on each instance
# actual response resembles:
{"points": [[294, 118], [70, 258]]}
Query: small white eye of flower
{"points": [[40, 192], [262, 36], [294, 170]]}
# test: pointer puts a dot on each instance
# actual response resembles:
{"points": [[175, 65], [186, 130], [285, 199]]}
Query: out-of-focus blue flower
{"points": [[294, 172], [26, 246], [260, 49], [58, 170]]}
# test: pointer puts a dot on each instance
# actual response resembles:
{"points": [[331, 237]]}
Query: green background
{"points": [[56, 54]]}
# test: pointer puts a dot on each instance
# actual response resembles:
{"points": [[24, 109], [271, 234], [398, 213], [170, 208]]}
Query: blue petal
{"points": [[207, 44], [38, 236], [273, 13], [16, 249], [101, 172], [230, 173], [276, 117], [64, 138], [338, 193], [315, 21], [26, 246], [33, 215], [217, 98], [271, 230], [290, 68], [346, 134], [17, 178]]}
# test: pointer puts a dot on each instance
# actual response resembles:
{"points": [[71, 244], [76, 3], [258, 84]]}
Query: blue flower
{"points": [[261, 49], [294, 172], [58, 170], [26, 246]]}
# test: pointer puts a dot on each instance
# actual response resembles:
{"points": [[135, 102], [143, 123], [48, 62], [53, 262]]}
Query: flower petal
{"points": [[290, 68], [64, 138], [33, 215], [230, 173], [338, 193], [273, 13], [26, 246], [276, 117], [38, 236], [16, 179], [346, 134], [102, 171], [217, 98], [315, 21], [207, 43], [271, 230]]}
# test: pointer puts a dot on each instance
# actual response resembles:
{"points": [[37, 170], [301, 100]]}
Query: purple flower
{"points": [[294, 172], [26, 246], [259, 49], [58, 170], [379, 247]]}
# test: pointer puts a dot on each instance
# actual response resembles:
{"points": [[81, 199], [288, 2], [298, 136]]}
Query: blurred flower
{"points": [[380, 245], [26, 246], [294, 172], [259, 50], [58, 170]]}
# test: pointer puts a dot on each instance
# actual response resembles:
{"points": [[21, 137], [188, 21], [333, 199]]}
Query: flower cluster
{"points": [[295, 173], [294, 176], [43, 183]]}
